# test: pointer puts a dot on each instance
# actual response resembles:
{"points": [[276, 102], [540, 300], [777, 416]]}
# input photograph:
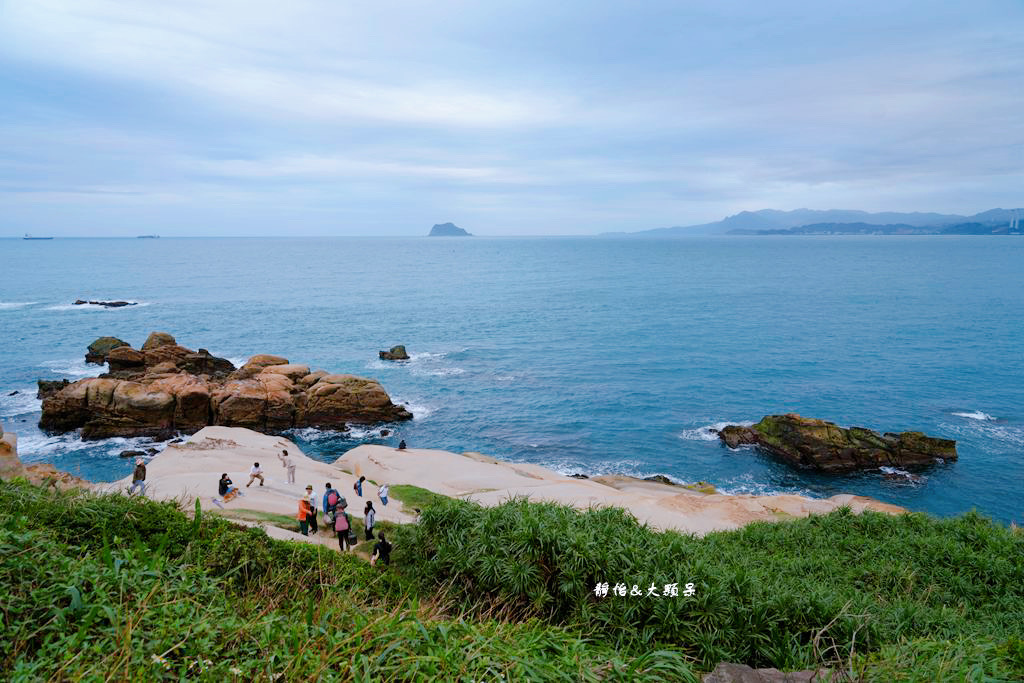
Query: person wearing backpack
{"points": [[332, 501], [343, 527]]}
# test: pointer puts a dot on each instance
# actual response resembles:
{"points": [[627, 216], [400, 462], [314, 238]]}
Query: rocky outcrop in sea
{"points": [[396, 353], [824, 446], [163, 388]]}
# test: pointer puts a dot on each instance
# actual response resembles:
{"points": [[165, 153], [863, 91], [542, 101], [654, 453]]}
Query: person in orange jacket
{"points": [[305, 511]]}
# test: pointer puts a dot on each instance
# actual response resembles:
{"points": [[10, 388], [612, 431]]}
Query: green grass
{"points": [[107, 587], [784, 594], [415, 497], [274, 519]]}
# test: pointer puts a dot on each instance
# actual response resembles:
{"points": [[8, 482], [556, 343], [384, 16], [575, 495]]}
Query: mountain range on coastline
{"points": [[842, 221]]}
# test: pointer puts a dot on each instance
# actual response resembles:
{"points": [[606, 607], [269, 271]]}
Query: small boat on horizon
{"points": [[30, 237], [148, 237]]}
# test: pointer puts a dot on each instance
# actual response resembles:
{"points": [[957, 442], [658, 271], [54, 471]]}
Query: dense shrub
{"points": [[785, 594], [129, 589]]}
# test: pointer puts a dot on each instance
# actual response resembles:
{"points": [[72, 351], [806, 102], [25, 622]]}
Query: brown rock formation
{"points": [[809, 443], [166, 388]]}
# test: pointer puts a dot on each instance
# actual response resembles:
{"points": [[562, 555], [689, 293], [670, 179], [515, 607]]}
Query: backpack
{"points": [[341, 522], [334, 499]]}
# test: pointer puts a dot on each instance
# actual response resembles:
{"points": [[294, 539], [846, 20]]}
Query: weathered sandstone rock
{"points": [[167, 388], [824, 446]]}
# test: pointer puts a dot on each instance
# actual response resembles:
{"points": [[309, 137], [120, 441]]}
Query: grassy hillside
{"points": [[788, 595], [99, 587]]}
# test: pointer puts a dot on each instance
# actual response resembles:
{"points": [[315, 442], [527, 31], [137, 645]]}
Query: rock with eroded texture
{"points": [[166, 388], [824, 446]]}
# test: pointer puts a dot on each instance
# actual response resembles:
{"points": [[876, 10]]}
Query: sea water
{"points": [[584, 355]]}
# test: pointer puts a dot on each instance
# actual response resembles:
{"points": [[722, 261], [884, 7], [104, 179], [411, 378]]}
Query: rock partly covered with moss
{"points": [[817, 444], [396, 353], [99, 349], [166, 388]]}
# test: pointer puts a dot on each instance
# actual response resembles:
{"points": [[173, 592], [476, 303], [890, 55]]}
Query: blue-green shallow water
{"points": [[590, 355]]}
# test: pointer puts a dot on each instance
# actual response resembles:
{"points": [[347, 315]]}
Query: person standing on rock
{"points": [[312, 508], [370, 516], [255, 473], [358, 486], [138, 478], [288, 464], [382, 492]]}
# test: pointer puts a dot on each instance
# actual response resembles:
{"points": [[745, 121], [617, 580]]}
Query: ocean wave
{"points": [[96, 307], [73, 367], [22, 403], [976, 415], [709, 432], [7, 305], [38, 444], [421, 364], [418, 410], [746, 484], [994, 436]]}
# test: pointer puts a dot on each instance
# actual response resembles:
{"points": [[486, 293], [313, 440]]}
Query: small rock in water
{"points": [[132, 454], [396, 353], [385, 432], [13, 393], [579, 476], [661, 479]]}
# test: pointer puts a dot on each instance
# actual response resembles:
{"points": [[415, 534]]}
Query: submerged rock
{"points": [[166, 388], [396, 353], [824, 446], [108, 304]]}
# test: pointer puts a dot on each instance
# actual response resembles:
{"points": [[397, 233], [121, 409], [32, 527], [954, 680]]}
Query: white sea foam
{"points": [[73, 367], [418, 410], [6, 305], [97, 307], [22, 403], [708, 432], [994, 436], [746, 484], [976, 415], [39, 444]]}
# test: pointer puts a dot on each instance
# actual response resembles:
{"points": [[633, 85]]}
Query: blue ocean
{"points": [[584, 355]]}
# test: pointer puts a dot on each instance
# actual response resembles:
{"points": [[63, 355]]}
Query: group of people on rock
{"points": [[338, 519]]}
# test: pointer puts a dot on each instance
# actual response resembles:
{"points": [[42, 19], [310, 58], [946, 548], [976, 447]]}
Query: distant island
{"points": [[846, 222], [448, 230]]}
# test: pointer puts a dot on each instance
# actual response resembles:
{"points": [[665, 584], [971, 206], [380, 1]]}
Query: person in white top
{"points": [[255, 473], [382, 493], [288, 464]]}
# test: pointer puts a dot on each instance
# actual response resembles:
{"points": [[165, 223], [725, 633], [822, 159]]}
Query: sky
{"points": [[346, 117]]}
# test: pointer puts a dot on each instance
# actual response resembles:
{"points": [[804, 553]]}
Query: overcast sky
{"points": [[316, 117]]}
